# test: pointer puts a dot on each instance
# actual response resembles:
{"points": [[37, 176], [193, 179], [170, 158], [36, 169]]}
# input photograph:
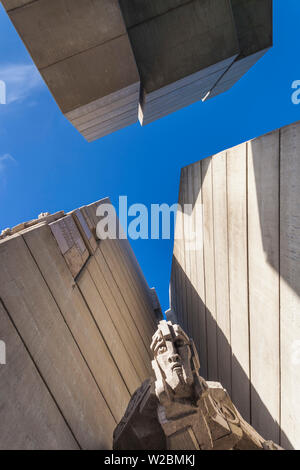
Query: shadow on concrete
{"points": [[222, 343]]}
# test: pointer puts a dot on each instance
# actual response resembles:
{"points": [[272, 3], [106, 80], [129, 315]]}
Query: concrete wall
{"points": [[235, 287], [77, 317]]}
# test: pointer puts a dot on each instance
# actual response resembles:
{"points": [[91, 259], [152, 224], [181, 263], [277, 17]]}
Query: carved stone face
{"points": [[172, 358]]}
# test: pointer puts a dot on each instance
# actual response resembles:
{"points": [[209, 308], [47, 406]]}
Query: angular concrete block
{"points": [[189, 42], [184, 41], [93, 74], [85, 120], [82, 50], [107, 127], [254, 23], [63, 29], [138, 11], [181, 97]]}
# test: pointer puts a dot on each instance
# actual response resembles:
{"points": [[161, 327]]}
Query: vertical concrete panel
{"points": [[176, 291], [116, 291], [142, 305], [238, 276], [188, 246], [263, 240], [73, 307], [119, 322], [258, 189], [290, 285], [86, 284], [124, 283], [221, 268], [209, 264], [29, 417], [52, 346], [200, 277], [180, 260], [194, 333], [141, 293]]}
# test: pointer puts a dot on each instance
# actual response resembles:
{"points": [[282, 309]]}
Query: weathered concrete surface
{"points": [[79, 80], [29, 417], [74, 313], [82, 50], [183, 50], [254, 24], [63, 29], [249, 238], [11, 4], [177, 43], [138, 11], [188, 39]]}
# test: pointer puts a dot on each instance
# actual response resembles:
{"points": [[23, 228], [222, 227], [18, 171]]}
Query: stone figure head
{"points": [[176, 362]]}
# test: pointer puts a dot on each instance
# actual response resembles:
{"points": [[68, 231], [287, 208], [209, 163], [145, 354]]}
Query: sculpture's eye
{"points": [[162, 349]]}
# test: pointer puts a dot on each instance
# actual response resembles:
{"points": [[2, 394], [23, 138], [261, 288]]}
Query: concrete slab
{"points": [[103, 131], [171, 109], [22, 425], [108, 117], [111, 122], [254, 23], [234, 73], [62, 29], [198, 86], [173, 101], [220, 68], [186, 40], [138, 11], [106, 104], [93, 74], [11, 4], [51, 346], [82, 50], [94, 71]]}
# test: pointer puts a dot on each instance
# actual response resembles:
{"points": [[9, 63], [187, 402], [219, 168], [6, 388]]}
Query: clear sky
{"points": [[46, 166]]}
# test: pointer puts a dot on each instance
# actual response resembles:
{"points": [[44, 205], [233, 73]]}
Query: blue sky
{"points": [[45, 165]]}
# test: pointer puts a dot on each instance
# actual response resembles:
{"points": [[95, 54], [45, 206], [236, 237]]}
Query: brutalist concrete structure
{"points": [[76, 320], [110, 62]]}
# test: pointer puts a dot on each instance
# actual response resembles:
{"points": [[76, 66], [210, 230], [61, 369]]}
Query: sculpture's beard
{"points": [[179, 372], [179, 381]]}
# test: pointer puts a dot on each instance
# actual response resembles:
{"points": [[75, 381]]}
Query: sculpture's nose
{"points": [[174, 358]]}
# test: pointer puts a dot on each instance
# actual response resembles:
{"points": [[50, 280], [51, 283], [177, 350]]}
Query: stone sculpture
{"points": [[179, 410]]}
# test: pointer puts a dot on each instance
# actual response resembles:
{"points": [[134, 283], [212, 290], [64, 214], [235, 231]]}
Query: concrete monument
{"points": [[111, 62], [179, 410]]}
